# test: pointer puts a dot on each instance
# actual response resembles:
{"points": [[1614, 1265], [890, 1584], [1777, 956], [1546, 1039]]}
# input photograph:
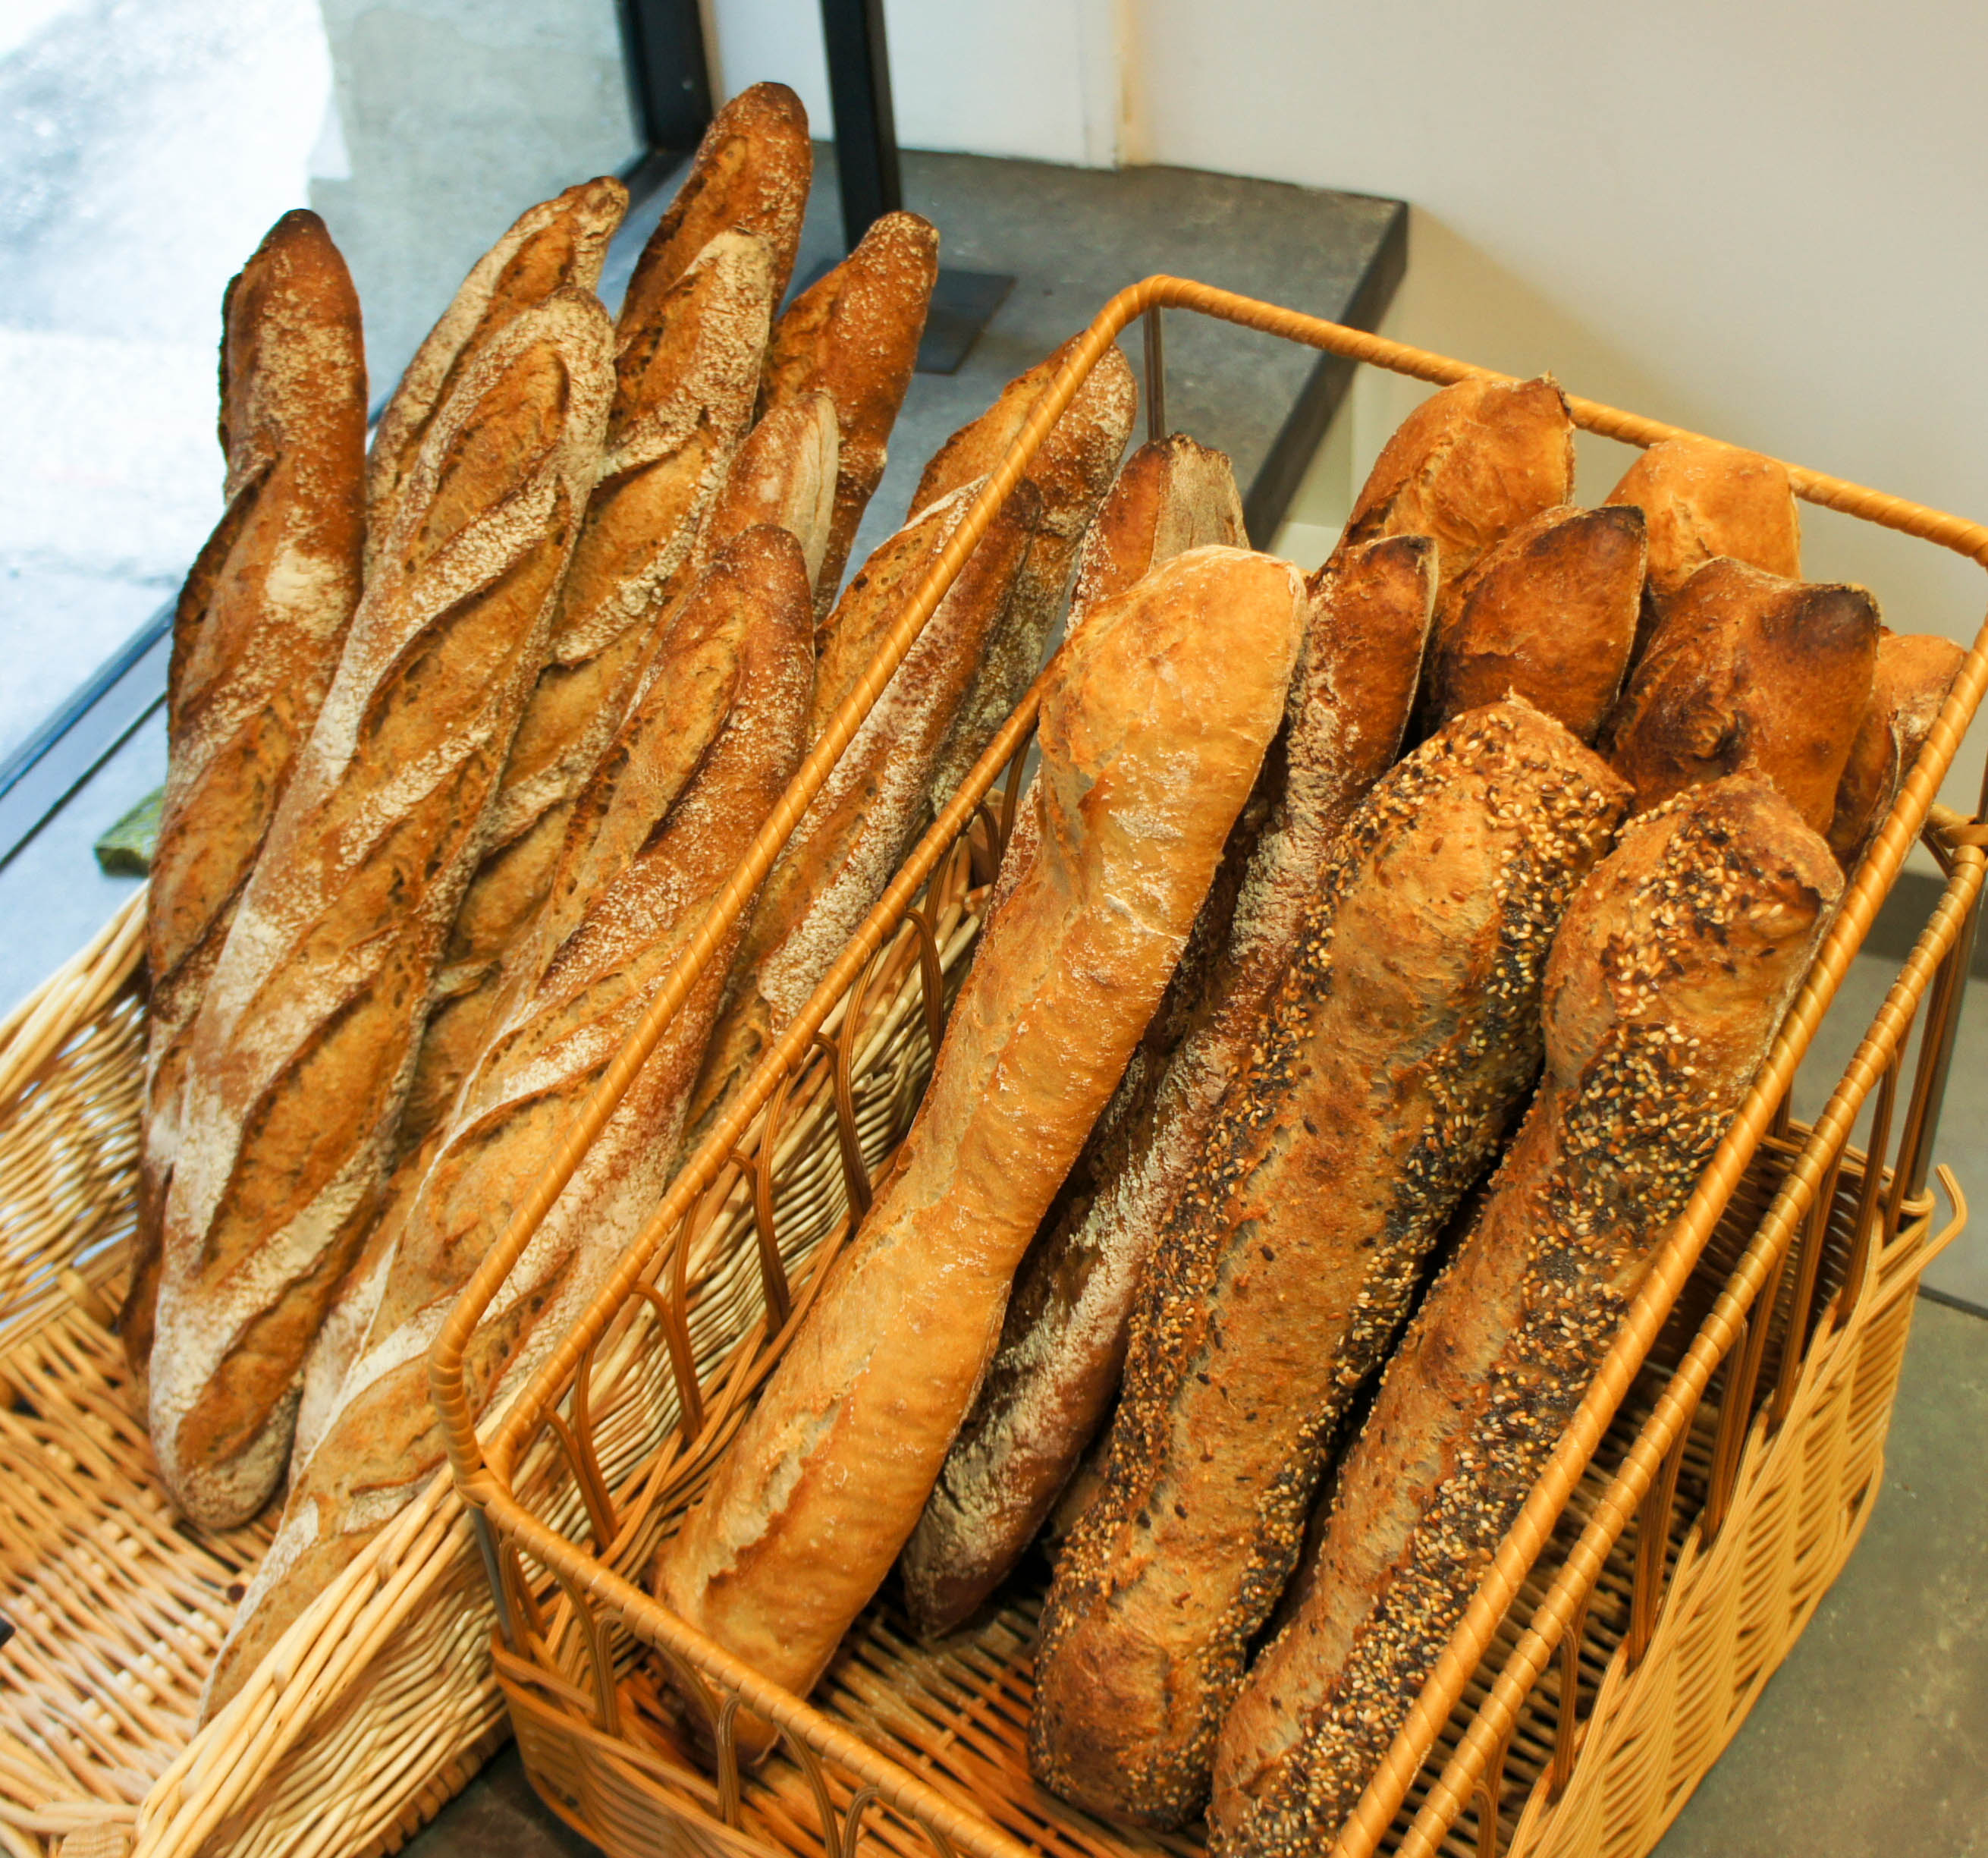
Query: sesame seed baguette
{"points": [[1073, 469], [1394, 1055], [305, 1043], [558, 245], [1910, 680], [1748, 669], [1547, 612], [872, 808], [1677, 959], [751, 173], [685, 376], [1063, 1341], [1467, 466], [854, 334], [256, 638], [701, 760], [1152, 735]]}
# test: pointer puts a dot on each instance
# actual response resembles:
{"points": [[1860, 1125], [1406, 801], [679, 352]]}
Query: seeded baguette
{"points": [[685, 376], [1151, 735], [1547, 612], [1746, 669], [854, 334], [558, 245], [698, 764], [304, 1044], [1910, 677], [1394, 1055], [256, 638], [1676, 961], [1063, 1340]]}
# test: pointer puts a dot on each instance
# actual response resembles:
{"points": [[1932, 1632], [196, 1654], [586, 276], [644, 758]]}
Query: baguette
{"points": [[1173, 495], [685, 375], [1063, 1340], [304, 1047], [1072, 469], [559, 244], [785, 474], [1910, 677], [256, 636], [1395, 1053], [751, 173], [699, 762], [854, 334], [1151, 734], [1467, 466], [1676, 961], [873, 806], [1746, 669], [1547, 612]]}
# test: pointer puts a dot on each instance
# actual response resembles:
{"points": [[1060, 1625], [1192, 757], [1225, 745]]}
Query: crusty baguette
{"points": [[1072, 469], [1748, 668], [1172, 495], [256, 638], [1064, 1339], [784, 474], [751, 173], [1395, 1053], [557, 245], [699, 762], [304, 1047], [1152, 735], [1701, 500], [854, 334], [1469, 465], [873, 806], [1547, 612], [1677, 959], [1909, 681], [685, 377]]}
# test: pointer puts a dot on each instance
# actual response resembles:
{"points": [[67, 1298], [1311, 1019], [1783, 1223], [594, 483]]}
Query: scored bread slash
{"points": [[305, 1045], [1910, 680]]}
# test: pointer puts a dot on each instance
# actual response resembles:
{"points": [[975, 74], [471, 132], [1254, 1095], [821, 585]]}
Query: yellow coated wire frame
{"points": [[482, 1474]]}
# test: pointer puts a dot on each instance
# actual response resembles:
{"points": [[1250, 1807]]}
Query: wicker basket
{"points": [[1715, 1477]]}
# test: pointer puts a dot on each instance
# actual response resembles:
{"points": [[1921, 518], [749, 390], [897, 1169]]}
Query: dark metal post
{"points": [[866, 131]]}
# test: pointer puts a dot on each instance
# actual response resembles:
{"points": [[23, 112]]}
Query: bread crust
{"points": [[1171, 496], [304, 1045], [1064, 1339], [1395, 1052], [256, 638], [1467, 466], [1677, 959], [1150, 736], [685, 376], [1702, 499], [698, 764], [558, 245], [854, 334], [1547, 612], [1910, 677], [1746, 669], [784, 474]]}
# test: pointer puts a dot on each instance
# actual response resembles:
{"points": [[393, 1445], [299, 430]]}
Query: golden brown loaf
{"points": [[685, 376], [1151, 734], [1072, 470], [1064, 1339], [751, 173], [854, 334], [1909, 681], [872, 807], [1548, 613], [1469, 464], [304, 1045], [1702, 499], [699, 763], [558, 245], [1394, 1055], [255, 640], [784, 474], [1173, 495], [1747, 669], [1677, 959]]}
